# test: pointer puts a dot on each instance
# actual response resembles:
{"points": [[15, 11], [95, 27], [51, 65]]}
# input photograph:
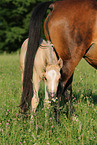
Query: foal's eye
{"points": [[60, 80], [45, 78]]}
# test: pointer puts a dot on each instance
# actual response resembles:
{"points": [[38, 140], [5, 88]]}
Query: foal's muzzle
{"points": [[52, 96]]}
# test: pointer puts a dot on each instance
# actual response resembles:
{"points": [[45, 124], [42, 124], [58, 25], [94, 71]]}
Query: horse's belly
{"points": [[91, 55]]}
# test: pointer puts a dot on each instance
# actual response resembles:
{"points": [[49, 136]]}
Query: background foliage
{"points": [[14, 22]]}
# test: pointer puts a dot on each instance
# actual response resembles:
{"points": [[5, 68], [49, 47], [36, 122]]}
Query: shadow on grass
{"points": [[86, 95]]}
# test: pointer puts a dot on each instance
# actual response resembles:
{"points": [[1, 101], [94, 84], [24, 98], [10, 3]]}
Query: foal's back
{"points": [[42, 57]]}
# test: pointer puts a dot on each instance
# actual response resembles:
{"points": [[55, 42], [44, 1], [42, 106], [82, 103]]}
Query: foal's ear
{"points": [[60, 63]]}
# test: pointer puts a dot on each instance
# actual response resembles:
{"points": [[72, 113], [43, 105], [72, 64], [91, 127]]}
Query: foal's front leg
{"points": [[35, 99], [34, 102], [46, 103]]}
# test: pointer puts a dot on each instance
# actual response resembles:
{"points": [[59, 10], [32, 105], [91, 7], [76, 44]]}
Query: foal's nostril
{"points": [[52, 94]]}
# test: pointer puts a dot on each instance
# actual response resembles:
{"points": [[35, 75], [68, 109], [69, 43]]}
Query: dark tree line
{"points": [[14, 22]]}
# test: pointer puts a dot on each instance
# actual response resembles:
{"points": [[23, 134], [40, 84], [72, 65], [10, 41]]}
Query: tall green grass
{"points": [[16, 129]]}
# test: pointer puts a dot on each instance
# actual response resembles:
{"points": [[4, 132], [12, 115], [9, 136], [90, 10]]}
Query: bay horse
{"points": [[71, 26], [46, 66]]}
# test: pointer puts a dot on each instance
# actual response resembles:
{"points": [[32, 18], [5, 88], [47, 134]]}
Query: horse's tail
{"points": [[34, 39]]}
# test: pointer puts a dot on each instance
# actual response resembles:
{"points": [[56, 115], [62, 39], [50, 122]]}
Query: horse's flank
{"points": [[71, 28]]}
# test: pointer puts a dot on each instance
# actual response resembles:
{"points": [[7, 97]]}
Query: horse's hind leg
{"points": [[91, 55], [57, 110], [35, 99], [68, 97]]}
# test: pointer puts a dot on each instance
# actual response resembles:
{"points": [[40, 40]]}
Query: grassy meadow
{"points": [[17, 129]]}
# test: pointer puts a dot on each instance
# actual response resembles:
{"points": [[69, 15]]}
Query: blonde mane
{"points": [[50, 46]]}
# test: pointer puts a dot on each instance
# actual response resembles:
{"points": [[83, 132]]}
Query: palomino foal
{"points": [[47, 66]]}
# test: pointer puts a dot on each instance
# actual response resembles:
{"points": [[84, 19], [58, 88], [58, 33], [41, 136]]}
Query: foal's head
{"points": [[52, 76]]}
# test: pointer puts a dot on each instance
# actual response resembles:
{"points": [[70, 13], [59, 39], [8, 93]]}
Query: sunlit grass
{"points": [[15, 130]]}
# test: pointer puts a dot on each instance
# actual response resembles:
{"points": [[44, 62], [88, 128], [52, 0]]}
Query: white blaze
{"points": [[52, 74]]}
